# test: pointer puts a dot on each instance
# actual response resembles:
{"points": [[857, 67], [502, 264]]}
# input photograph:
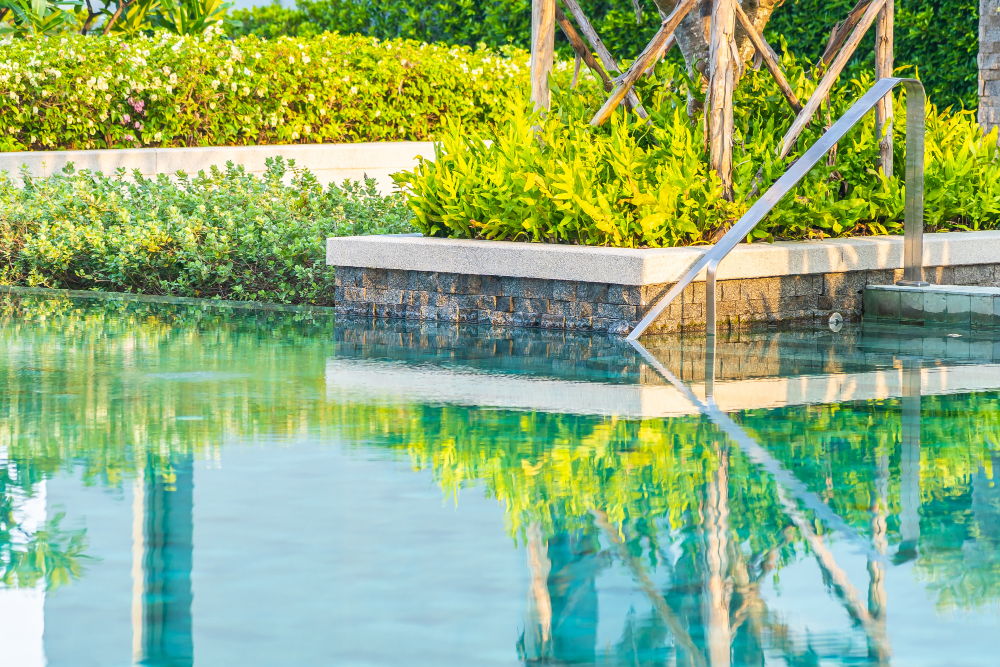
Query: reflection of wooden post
{"points": [[538, 627], [883, 69], [716, 528], [878, 646], [722, 80], [543, 35]]}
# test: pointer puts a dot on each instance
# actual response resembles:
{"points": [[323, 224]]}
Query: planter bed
{"points": [[610, 289]]}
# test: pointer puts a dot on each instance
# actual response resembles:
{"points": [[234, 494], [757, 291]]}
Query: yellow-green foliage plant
{"points": [[556, 179], [160, 89]]}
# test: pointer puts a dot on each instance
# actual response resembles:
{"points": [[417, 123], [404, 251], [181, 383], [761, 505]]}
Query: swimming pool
{"points": [[185, 484]]}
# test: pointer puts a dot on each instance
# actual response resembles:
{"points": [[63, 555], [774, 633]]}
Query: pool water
{"points": [[186, 484]]}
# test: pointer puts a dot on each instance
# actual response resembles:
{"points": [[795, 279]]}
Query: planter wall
{"points": [[610, 289], [328, 162]]}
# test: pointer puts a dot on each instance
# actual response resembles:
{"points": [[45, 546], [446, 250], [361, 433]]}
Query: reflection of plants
{"points": [[50, 554], [54, 348], [553, 472]]}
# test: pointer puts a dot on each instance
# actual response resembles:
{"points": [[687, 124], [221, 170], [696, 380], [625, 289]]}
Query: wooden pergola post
{"points": [[883, 69], [722, 81], [543, 36]]}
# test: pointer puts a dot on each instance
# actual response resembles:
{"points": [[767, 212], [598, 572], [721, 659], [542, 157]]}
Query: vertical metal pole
{"points": [[909, 461], [710, 317], [710, 370], [913, 217]]}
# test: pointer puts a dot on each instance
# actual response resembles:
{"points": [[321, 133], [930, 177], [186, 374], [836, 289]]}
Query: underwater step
{"points": [[952, 305]]}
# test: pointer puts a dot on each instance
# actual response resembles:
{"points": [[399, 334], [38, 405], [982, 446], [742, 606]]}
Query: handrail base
{"points": [[913, 283]]}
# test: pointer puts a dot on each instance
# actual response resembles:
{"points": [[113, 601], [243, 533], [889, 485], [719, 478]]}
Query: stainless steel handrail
{"points": [[913, 217]]}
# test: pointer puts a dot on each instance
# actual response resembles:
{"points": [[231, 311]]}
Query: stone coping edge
{"points": [[630, 266], [373, 155]]}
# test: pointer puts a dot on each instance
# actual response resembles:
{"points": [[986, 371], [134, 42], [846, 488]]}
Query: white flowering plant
{"points": [[161, 89], [225, 234]]}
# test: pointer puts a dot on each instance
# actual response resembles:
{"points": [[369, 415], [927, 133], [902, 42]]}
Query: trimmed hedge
{"points": [[76, 92], [938, 37]]}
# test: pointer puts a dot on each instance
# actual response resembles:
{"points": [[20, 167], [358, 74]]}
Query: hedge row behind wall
{"points": [[939, 37], [78, 92]]}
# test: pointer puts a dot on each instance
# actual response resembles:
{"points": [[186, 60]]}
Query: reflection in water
{"points": [[168, 523], [647, 540]]}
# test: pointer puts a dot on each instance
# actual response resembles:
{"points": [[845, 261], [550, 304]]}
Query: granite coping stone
{"points": [[652, 266]]}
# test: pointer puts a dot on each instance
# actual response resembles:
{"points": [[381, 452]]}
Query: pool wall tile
{"points": [[981, 311], [888, 304], [958, 309], [935, 307], [871, 304], [911, 306]]}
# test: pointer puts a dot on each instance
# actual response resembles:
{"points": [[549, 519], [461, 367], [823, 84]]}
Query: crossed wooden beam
{"points": [[844, 40]]}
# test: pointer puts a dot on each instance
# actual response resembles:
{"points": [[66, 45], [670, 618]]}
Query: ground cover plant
{"points": [[225, 234], [632, 185], [161, 89]]}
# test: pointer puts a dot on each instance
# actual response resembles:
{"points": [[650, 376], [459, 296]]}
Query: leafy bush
{"points": [[939, 37], [79, 92], [225, 235], [631, 185]]}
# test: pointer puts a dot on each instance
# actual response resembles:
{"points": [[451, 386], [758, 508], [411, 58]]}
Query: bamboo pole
{"points": [[823, 89], [769, 57], [581, 50], [632, 100], [721, 82], [543, 35], [883, 69], [644, 60]]}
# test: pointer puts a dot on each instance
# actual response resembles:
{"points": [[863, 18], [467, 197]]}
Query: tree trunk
{"points": [[883, 69], [989, 64], [722, 82], [543, 35]]}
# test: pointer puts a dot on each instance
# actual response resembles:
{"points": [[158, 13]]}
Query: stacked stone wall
{"points": [[612, 308]]}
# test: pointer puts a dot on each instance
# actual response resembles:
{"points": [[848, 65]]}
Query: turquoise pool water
{"points": [[181, 484]]}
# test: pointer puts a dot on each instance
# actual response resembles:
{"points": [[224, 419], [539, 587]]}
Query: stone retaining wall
{"points": [[614, 308]]}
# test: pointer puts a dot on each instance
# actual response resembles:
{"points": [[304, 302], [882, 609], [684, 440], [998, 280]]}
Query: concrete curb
{"points": [[328, 162], [627, 266]]}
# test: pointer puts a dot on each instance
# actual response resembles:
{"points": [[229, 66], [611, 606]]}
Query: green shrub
{"points": [[938, 37], [78, 92], [627, 184], [226, 235]]}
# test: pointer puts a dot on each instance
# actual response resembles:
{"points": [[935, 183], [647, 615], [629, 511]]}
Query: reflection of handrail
{"points": [[762, 457], [914, 204]]}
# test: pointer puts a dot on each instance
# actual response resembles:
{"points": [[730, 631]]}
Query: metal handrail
{"points": [[913, 217]]}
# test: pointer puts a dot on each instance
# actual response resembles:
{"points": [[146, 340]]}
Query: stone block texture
{"points": [[613, 308]]}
